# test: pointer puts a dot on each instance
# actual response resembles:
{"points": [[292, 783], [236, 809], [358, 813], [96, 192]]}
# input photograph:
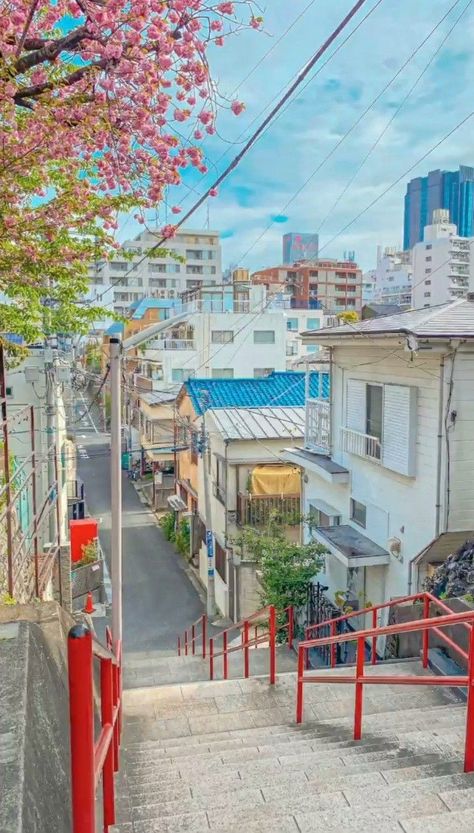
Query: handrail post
{"points": [[81, 715], [426, 634], [299, 687], [272, 641], [290, 610], [193, 639], [359, 688], [185, 643], [115, 693], [469, 748], [373, 657], [245, 643], [179, 646], [225, 657], [107, 717], [332, 648], [211, 659], [204, 636]]}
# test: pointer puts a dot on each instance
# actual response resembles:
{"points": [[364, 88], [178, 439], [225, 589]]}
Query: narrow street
{"points": [[159, 599]]}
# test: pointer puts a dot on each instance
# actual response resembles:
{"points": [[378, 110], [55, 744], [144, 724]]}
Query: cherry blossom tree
{"points": [[103, 104]]}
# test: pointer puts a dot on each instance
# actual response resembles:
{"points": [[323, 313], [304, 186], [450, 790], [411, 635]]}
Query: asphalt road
{"points": [[159, 600]]}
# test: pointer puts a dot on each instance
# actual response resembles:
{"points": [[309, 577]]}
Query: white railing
{"points": [[318, 426], [171, 344], [361, 444]]}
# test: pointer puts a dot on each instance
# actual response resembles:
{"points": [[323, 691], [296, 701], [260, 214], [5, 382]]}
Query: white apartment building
{"points": [[195, 258], [442, 263], [387, 462], [391, 281], [229, 333], [297, 322]]}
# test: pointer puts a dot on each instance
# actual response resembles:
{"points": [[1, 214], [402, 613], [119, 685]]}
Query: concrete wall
{"points": [[34, 720]]}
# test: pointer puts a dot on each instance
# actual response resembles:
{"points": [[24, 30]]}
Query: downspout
{"points": [[330, 398], [415, 558]]}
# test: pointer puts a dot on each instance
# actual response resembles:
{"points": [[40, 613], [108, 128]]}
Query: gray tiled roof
{"points": [[455, 320]]}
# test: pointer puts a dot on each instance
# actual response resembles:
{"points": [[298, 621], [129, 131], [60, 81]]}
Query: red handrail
{"points": [[425, 597], [360, 679], [92, 758], [190, 637], [248, 641]]}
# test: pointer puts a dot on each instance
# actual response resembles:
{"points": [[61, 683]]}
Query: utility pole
{"points": [[116, 486], [211, 593]]}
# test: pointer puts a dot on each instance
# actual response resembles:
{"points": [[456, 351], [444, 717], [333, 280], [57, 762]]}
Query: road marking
{"points": [[88, 414]]}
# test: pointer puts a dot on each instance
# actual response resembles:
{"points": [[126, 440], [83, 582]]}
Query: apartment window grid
{"points": [[264, 337], [222, 336]]}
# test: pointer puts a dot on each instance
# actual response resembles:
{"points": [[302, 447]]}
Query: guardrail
{"points": [[93, 759], [424, 626], [190, 636], [427, 598], [251, 639]]}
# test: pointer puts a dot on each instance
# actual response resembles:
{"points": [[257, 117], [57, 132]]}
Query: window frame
{"points": [[222, 339], [260, 332], [353, 512]]}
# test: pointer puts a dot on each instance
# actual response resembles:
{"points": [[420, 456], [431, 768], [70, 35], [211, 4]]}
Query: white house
{"points": [[387, 462]]}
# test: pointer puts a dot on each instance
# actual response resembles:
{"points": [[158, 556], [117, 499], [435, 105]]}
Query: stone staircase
{"points": [[228, 756]]}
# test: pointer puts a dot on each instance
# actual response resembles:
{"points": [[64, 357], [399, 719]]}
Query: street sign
{"points": [[210, 553]]}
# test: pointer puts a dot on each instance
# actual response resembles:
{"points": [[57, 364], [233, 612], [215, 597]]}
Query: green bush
{"points": [[183, 538], [167, 524]]}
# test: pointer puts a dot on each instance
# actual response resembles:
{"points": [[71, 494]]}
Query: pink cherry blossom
{"points": [[237, 107], [176, 209]]}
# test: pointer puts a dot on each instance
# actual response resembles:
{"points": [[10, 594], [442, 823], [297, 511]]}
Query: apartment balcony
{"points": [[171, 344], [362, 445], [258, 510], [318, 426]]}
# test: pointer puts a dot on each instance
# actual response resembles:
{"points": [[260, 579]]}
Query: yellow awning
{"points": [[275, 480]]}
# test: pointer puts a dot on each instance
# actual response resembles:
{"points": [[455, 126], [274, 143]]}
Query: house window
{"points": [[312, 348], [264, 337], [292, 324], [312, 324], [318, 518], [222, 372], [373, 417], [427, 271], [428, 283], [220, 561], [358, 512], [260, 372], [428, 257], [181, 374], [428, 246], [222, 336], [427, 294], [220, 483]]}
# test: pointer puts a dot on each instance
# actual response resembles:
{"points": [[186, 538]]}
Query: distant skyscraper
{"points": [[298, 246], [452, 190]]}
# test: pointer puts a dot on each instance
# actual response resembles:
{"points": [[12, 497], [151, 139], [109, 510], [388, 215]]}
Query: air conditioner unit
{"points": [[32, 374]]}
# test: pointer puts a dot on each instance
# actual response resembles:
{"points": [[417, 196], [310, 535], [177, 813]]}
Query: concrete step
{"points": [[459, 821]]}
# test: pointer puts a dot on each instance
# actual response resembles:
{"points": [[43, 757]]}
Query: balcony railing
{"points": [[171, 344], [257, 510], [318, 426], [361, 444]]}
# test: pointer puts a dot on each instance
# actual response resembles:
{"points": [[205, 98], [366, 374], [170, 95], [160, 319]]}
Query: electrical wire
{"points": [[257, 133], [347, 133]]}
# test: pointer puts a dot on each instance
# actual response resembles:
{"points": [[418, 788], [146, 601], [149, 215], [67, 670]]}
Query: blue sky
{"points": [[257, 204]]}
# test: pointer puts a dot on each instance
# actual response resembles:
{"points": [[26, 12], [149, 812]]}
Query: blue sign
{"points": [[209, 544]]}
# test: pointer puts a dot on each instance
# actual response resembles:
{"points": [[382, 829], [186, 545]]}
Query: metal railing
{"points": [[251, 637], [318, 425], [93, 759], [187, 641], [256, 510], [361, 444], [171, 344], [424, 626]]}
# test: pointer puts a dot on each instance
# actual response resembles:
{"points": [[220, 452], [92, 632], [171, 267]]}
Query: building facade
{"points": [[391, 281], [387, 475], [443, 264], [451, 190], [331, 285], [194, 259], [299, 246]]}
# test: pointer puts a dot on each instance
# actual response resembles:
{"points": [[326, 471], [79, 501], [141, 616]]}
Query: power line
{"points": [[348, 132], [400, 106], [258, 132]]}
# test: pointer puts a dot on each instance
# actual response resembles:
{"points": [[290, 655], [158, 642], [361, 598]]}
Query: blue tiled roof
{"points": [[115, 329], [151, 303], [282, 390]]}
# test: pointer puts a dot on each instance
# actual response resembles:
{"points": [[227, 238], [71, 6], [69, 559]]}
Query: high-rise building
{"points": [[452, 190], [443, 267], [298, 246], [194, 260]]}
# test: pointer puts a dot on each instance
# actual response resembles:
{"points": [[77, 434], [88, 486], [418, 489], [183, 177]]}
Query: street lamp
{"points": [[117, 350]]}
